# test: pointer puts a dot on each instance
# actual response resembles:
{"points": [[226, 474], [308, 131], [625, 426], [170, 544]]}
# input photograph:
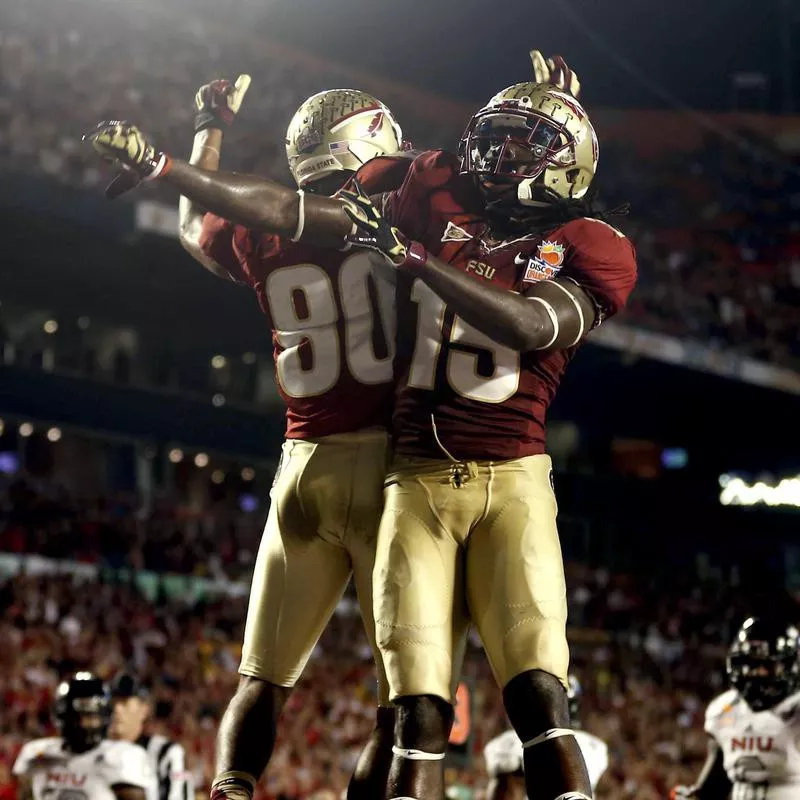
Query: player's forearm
{"points": [[260, 204], [246, 200], [205, 155], [508, 318], [24, 788], [713, 782]]}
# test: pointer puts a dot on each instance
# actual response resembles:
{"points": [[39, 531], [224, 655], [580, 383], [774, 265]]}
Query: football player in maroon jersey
{"points": [[333, 337], [503, 269]]}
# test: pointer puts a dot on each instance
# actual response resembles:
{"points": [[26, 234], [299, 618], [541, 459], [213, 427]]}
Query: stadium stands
{"points": [[716, 230], [648, 659]]}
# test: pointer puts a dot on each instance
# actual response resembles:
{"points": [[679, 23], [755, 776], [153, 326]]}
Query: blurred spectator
{"points": [[115, 532]]}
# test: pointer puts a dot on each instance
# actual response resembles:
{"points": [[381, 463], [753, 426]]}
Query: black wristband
{"points": [[203, 120]]}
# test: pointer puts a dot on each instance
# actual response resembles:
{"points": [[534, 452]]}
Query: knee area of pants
{"points": [[535, 702], [423, 723], [256, 691]]}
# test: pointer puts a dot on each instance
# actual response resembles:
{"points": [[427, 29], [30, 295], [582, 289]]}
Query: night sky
{"points": [[468, 49]]}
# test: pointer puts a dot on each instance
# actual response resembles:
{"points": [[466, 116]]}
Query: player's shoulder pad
{"points": [[507, 739], [503, 754], [591, 741], [385, 173], [789, 709], [588, 232], [117, 752], [36, 750], [435, 168], [720, 706]]}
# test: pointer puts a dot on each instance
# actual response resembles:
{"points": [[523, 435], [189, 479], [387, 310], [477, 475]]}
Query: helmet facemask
{"points": [[515, 144], [530, 146], [763, 667], [763, 682], [84, 721]]}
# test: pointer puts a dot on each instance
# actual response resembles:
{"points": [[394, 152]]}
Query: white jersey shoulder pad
{"points": [[719, 707]]}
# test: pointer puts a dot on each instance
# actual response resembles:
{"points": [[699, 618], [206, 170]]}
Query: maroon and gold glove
{"points": [[556, 72], [218, 102], [125, 146]]}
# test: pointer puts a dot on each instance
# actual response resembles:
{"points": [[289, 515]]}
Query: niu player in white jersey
{"points": [[81, 764], [504, 755], [754, 727]]}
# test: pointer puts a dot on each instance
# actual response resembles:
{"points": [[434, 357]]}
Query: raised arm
{"points": [[206, 155], [217, 104]]}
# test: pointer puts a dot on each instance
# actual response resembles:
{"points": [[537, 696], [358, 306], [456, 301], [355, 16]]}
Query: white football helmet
{"points": [[339, 130]]}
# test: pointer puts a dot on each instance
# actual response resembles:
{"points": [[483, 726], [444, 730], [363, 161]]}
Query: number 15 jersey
{"points": [[488, 401], [332, 321]]}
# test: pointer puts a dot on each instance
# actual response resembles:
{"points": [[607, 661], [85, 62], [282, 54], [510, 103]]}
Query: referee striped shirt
{"points": [[169, 763]]}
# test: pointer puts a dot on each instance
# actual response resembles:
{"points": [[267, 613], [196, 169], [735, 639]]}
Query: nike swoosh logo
{"points": [[520, 259]]}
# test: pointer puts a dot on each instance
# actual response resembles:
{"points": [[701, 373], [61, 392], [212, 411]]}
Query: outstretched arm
{"points": [[262, 205], [256, 203], [551, 315]]}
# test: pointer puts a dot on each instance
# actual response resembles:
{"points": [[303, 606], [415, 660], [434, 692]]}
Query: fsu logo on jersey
{"points": [[546, 264], [452, 233]]}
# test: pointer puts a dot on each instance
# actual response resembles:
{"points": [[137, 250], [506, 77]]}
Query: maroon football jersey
{"points": [[486, 401], [332, 322]]}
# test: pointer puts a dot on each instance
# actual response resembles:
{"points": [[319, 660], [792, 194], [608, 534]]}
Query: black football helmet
{"points": [[763, 664], [83, 711], [574, 694]]}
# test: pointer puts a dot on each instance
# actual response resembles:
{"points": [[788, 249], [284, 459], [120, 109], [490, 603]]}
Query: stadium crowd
{"points": [[118, 532], [716, 230], [649, 657]]}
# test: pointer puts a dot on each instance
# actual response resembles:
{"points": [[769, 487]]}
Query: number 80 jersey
{"points": [[332, 320]]}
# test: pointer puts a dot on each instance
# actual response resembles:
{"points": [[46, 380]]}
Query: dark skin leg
{"points": [[535, 702], [372, 771], [247, 730], [423, 723]]}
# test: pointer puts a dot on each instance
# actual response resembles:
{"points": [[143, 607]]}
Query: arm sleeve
{"points": [[603, 263], [218, 240], [23, 761], [181, 785], [408, 208]]}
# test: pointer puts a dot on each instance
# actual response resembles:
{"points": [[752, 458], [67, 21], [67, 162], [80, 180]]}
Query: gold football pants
{"points": [[322, 525], [491, 546]]}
